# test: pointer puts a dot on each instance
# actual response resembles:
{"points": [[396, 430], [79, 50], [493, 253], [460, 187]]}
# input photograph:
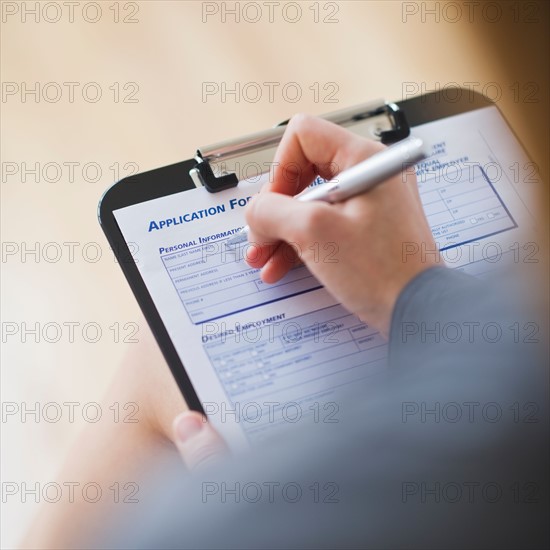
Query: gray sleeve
{"points": [[439, 306], [448, 449]]}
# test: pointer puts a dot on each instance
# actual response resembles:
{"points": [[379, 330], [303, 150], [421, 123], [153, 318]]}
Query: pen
{"points": [[359, 178]]}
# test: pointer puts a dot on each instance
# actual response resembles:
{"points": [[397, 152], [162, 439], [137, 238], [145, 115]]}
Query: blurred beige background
{"points": [[151, 67]]}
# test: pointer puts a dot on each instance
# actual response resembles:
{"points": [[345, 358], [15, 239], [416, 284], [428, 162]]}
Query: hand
{"points": [[368, 232], [197, 441]]}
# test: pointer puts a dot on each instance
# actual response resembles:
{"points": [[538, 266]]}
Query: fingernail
{"points": [[187, 426]]}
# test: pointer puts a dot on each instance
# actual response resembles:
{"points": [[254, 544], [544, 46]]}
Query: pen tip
{"points": [[232, 242]]}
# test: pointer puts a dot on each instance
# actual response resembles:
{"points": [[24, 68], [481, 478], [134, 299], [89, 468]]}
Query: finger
{"points": [[313, 146], [275, 217], [280, 263], [309, 146], [197, 441], [268, 216]]}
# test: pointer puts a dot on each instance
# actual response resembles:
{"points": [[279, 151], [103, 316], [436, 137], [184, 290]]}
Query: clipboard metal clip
{"points": [[377, 120], [401, 128]]}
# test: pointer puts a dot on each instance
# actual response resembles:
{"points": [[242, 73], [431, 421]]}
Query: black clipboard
{"points": [[387, 122]]}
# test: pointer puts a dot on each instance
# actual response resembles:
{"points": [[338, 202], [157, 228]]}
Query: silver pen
{"points": [[359, 178]]}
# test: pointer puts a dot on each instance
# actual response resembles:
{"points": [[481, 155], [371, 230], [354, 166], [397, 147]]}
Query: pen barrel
{"points": [[367, 174]]}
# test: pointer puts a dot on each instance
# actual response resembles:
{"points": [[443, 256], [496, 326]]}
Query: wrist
{"points": [[379, 313]]}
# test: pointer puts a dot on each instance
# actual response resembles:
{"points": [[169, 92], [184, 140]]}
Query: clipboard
{"points": [[221, 166]]}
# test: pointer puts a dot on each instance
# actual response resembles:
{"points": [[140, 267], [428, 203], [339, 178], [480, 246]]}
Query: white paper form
{"points": [[264, 356], [273, 353], [478, 191]]}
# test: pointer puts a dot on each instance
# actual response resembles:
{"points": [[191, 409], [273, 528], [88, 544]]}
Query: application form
{"points": [[260, 356]]}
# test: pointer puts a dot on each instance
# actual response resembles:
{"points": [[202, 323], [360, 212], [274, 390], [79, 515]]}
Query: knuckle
{"points": [[363, 148], [299, 121], [251, 210], [315, 220]]}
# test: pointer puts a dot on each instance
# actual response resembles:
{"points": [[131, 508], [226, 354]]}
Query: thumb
{"points": [[197, 441]]}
